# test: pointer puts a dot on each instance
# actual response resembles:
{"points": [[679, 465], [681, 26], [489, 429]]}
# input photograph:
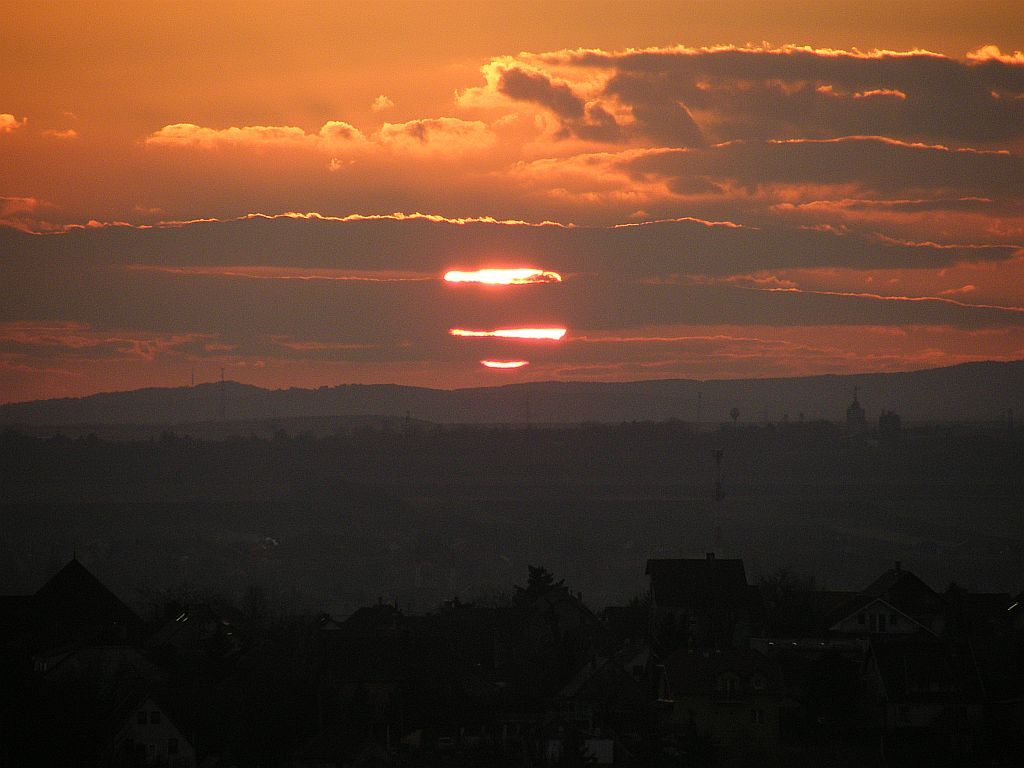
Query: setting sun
{"points": [[504, 365], [549, 334], [521, 276]]}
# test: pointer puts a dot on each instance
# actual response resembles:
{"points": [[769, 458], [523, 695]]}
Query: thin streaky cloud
{"points": [[288, 273], [882, 297]]}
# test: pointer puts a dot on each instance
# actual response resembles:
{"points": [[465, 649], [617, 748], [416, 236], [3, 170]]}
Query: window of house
{"points": [[154, 717], [143, 718], [172, 746], [757, 716]]}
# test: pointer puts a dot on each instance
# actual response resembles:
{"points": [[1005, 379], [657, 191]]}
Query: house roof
{"points": [[905, 591], [74, 602], [898, 588], [704, 583], [862, 603]]}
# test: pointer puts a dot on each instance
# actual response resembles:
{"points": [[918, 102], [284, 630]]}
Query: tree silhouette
{"points": [[539, 581]]}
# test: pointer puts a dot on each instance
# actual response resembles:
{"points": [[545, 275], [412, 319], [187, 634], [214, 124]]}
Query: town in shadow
{"points": [[400, 592]]}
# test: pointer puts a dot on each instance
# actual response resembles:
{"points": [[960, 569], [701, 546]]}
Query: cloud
{"points": [[382, 103], [9, 123], [589, 119], [517, 83], [262, 272], [427, 136], [722, 93], [190, 134], [68, 133], [877, 164], [332, 135], [70, 338], [305, 294], [992, 53], [336, 133], [10, 206], [21, 213], [443, 135], [762, 179]]}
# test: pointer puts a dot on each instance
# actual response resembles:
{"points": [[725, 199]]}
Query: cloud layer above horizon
{"points": [[714, 211]]}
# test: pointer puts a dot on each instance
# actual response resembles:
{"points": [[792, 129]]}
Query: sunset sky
{"points": [[725, 189]]}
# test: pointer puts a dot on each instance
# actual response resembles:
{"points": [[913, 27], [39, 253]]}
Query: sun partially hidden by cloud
{"points": [[504, 365], [548, 334], [519, 276]]}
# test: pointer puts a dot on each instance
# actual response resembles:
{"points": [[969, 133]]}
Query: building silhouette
{"points": [[856, 421]]}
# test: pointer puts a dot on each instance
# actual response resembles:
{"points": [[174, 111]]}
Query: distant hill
{"points": [[973, 392]]}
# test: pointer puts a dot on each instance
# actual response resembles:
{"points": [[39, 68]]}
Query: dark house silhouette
{"points": [[704, 603], [897, 602], [74, 606], [734, 695]]}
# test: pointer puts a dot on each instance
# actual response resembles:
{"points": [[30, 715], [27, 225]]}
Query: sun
{"points": [[519, 276]]}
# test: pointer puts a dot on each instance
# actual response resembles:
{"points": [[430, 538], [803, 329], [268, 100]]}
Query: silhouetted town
{"points": [[704, 668], [413, 594]]}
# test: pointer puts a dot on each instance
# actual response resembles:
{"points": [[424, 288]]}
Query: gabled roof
{"points": [[705, 583], [905, 591], [897, 588], [75, 602], [862, 603]]}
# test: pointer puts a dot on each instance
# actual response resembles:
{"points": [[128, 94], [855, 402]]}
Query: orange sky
{"points": [[727, 189]]}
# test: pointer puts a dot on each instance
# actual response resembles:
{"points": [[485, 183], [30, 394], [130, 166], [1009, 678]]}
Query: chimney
{"points": [[710, 556]]}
